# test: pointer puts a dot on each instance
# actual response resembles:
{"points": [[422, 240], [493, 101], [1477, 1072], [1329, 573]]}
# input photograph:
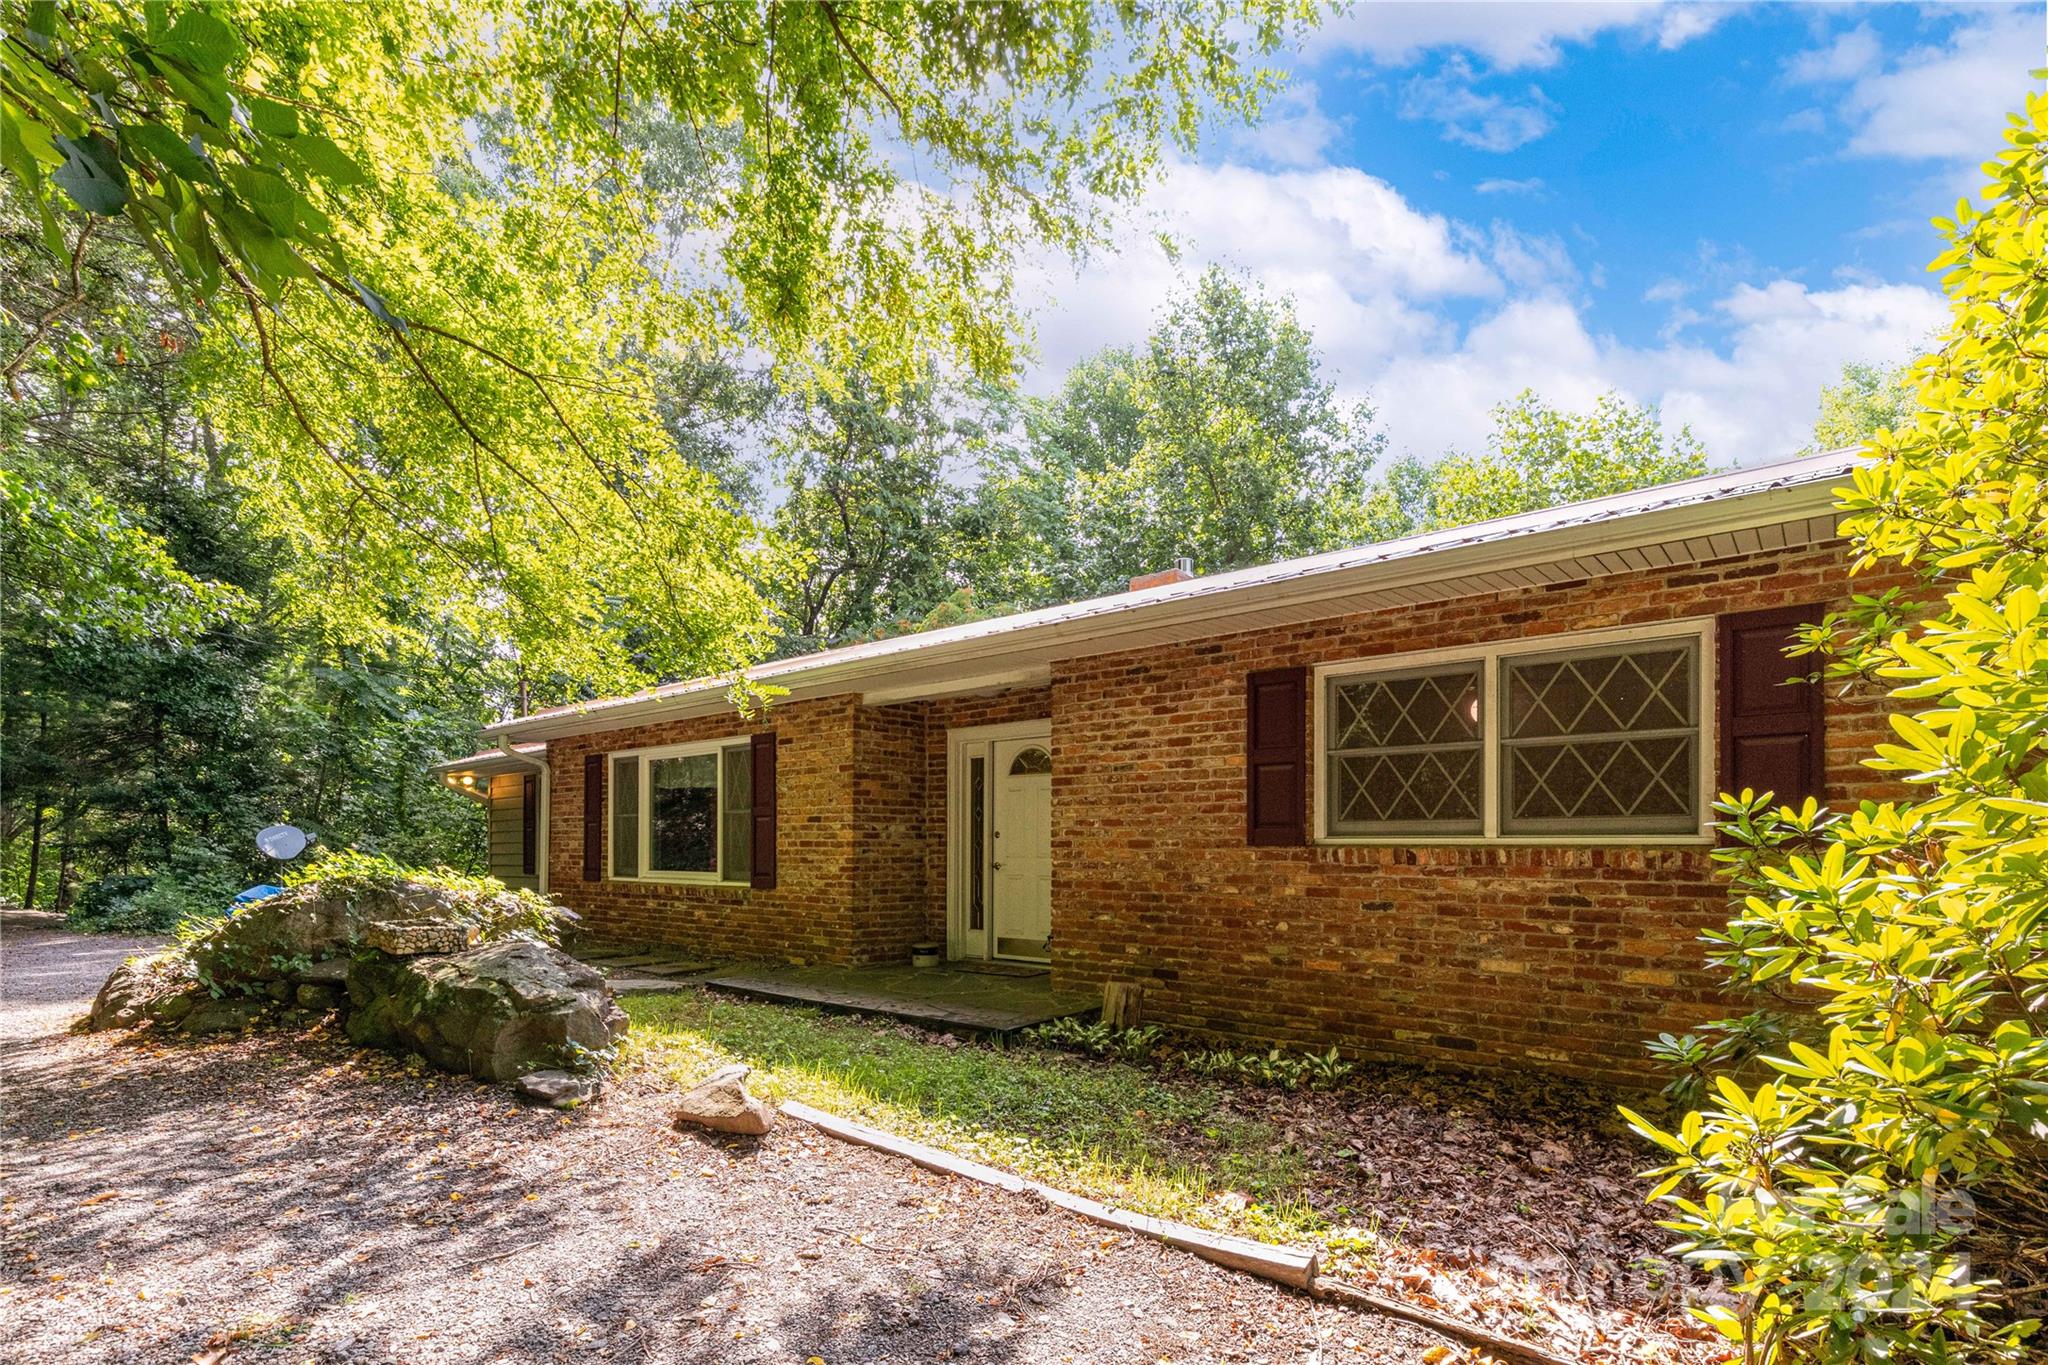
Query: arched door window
{"points": [[1030, 762]]}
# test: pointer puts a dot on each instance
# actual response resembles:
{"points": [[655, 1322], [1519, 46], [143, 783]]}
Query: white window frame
{"points": [[647, 757], [1689, 629]]}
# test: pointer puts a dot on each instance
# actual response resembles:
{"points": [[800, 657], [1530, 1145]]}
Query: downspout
{"points": [[540, 834]]}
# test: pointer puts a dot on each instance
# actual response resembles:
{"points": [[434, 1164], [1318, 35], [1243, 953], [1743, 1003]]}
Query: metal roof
{"points": [[1714, 516]]}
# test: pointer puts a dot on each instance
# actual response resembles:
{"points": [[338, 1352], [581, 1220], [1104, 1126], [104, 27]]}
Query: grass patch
{"points": [[1107, 1129]]}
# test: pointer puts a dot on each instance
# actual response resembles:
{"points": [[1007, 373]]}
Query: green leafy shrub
{"points": [[1275, 1067], [496, 910], [1327, 1070], [103, 905], [1880, 1196], [196, 887], [1727, 1046], [1096, 1038]]}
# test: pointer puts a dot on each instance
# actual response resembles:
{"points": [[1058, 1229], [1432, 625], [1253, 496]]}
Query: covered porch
{"points": [[987, 998]]}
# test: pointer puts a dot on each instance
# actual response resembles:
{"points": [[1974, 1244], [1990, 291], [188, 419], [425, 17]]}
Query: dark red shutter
{"points": [[593, 817], [529, 822], [1276, 756], [764, 811], [1771, 731]]}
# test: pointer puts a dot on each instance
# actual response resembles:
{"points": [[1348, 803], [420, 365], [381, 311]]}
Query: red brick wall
{"points": [[1564, 958], [891, 837], [862, 834], [808, 917]]}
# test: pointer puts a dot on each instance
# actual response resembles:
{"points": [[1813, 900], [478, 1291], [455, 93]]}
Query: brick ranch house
{"points": [[1443, 798]]}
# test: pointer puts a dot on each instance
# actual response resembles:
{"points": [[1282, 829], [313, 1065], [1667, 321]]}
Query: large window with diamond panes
{"points": [[1598, 736], [1602, 741], [1404, 752]]}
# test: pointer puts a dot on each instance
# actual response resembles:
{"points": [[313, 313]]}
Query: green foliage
{"points": [[1877, 1197], [868, 508], [162, 118], [497, 911], [1537, 456], [443, 256], [194, 886], [1726, 1045], [1096, 1038], [1867, 399], [1218, 440], [141, 737], [76, 563], [1277, 1068]]}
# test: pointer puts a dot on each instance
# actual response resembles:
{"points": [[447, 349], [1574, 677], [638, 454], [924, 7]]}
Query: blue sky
{"points": [[1708, 206]]}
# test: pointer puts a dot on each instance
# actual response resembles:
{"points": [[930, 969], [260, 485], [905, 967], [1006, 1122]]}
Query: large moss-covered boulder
{"points": [[351, 901], [500, 1011], [145, 990]]}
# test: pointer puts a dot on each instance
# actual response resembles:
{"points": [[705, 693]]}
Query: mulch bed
{"points": [[1508, 1201], [282, 1196]]}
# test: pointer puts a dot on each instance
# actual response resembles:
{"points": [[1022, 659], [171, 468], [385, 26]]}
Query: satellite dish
{"points": [[282, 842]]}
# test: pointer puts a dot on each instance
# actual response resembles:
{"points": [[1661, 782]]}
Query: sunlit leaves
{"points": [[435, 282], [77, 564], [1538, 456], [1841, 1201]]}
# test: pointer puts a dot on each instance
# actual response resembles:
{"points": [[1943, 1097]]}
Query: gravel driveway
{"points": [[284, 1197]]}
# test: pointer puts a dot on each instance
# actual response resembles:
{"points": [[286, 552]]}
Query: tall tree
{"points": [[1536, 456], [868, 509], [431, 345], [1867, 399], [163, 697], [1218, 440]]}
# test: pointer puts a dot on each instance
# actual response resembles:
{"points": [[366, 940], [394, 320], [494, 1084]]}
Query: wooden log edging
{"points": [[1291, 1266], [1343, 1291], [1286, 1265]]}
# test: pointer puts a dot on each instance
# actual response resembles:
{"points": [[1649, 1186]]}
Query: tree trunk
{"points": [[67, 823], [35, 829], [1122, 1002], [35, 855]]}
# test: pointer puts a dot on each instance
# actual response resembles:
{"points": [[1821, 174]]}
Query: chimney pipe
{"points": [[1183, 569]]}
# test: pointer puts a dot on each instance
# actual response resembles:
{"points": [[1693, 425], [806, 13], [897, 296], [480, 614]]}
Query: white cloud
{"points": [[1677, 25], [1750, 399], [1852, 53], [1293, 130], [1390, 293], [1533, 185], [1487, 121], [1530, 262], [1511, 35], [1944, 100], [1365, 267]]}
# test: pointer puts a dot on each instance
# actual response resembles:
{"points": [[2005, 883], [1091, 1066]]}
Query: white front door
{"points": [[1020, 847]]}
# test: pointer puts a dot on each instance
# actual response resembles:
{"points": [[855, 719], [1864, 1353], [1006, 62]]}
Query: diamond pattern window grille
{"points": [[1602, 742], [1405, 753]]}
